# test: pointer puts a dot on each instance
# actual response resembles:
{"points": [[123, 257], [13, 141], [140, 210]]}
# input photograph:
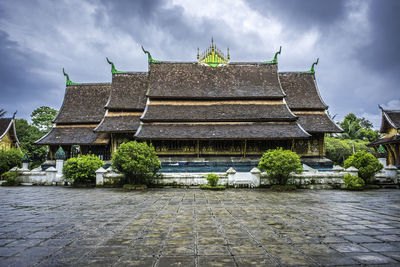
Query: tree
{"points": [[279, 163], [366, 163], [137, 160], [27, 135], [82, 170], [42, 118], [2, 113], [358, 128]]}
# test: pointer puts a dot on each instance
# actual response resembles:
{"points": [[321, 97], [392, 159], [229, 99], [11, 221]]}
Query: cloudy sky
{"points": [[357, 42]]}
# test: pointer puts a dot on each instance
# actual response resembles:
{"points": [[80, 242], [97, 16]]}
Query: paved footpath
{"points": [[60, 226]]}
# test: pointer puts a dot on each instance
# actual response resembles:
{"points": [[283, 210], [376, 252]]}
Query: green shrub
{"points": [[366, 163], [282, 188], [10, 178], [82, 170], [216, 188], [279, 163], [353, 182], [10, 159], [137, 160], [212, 179]]}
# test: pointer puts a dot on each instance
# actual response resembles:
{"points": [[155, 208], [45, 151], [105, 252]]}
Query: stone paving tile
{"points": [[61, 226]]}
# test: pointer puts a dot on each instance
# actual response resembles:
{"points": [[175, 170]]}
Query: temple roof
{"points": [[201, 111], [117, 124], [196, 81], [73, 135], [317, 123], [389, 139], [390, 119], [215, 131], [128, 91], [301, 91], [8, 125], [84, 103]]}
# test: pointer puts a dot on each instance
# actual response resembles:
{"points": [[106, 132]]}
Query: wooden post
{"points": [[198, 148], [245, 147]]}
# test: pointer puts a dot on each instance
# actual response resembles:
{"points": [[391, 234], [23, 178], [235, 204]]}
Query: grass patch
{"points": [[129, 187], [371, 186], [283, 188], [209, 187]]}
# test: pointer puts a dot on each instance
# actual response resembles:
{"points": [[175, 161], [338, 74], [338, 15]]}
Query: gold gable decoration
{"points": [[212, 56]]}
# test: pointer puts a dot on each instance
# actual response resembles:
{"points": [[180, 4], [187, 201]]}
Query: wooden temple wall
{"points": [[6, 142]]}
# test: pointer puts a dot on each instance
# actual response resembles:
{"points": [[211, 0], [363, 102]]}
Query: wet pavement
{"points": [[60, 226]]}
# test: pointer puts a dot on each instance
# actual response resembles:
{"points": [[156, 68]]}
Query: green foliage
{"points": [[366, 163], [216, 188], [283, 188], [353, 182], [82, 170], [358, 128], [279, 163], [10, 178], [212, 179], [137, 160], [42, 118], [338, 150], [9, 159]]}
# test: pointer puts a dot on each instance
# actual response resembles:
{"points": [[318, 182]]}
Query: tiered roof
{"points": [[303, 98], [81, 111], [234, 101], [390, 120]]}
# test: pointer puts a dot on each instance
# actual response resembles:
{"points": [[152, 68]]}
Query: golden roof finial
{"points": [[212, 56], [228, 54], [198, 56]]}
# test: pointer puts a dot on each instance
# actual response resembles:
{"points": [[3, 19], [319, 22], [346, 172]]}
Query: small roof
{"points": [[8, 125], [215, 131], [193, 80], [390, 119], [301, 91], [217, 111], [128, 91], [73, 135], [318, 123], [119, 124], [84, 103], [389, 139]]}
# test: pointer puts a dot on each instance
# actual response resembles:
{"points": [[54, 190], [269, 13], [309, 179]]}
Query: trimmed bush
{"points": [[137, 160], [212, 179], [366, 163], [279, 163], [10, 159], [82, 170], [10, 178], [353, 182]]}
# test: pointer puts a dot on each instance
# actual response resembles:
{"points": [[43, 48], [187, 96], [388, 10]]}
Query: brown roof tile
{"points": [[318, 123], [128, 91], [73, 136], [117, 124], [301, 91], [218, 112], [84, 103], [195, 81], [221, 131]]}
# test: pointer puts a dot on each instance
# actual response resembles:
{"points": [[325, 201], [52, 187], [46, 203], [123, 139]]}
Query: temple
{"points": [[390, 126], [210, 113]]}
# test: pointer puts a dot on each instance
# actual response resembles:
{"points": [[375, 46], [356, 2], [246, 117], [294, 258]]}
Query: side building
{"points": [[390, 126], [8, 135], [203, 114]]}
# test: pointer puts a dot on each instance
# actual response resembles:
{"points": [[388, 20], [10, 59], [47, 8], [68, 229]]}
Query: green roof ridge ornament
{"points": [[25, 159], [275, 60], [60, 154], [113, 69], [150, 59], [213, 57], [68, 82], [312, 70]]}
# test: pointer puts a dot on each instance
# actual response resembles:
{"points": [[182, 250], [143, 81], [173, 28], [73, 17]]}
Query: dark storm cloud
{"points": [[19, 85], [382, 52], [303, 14]]}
